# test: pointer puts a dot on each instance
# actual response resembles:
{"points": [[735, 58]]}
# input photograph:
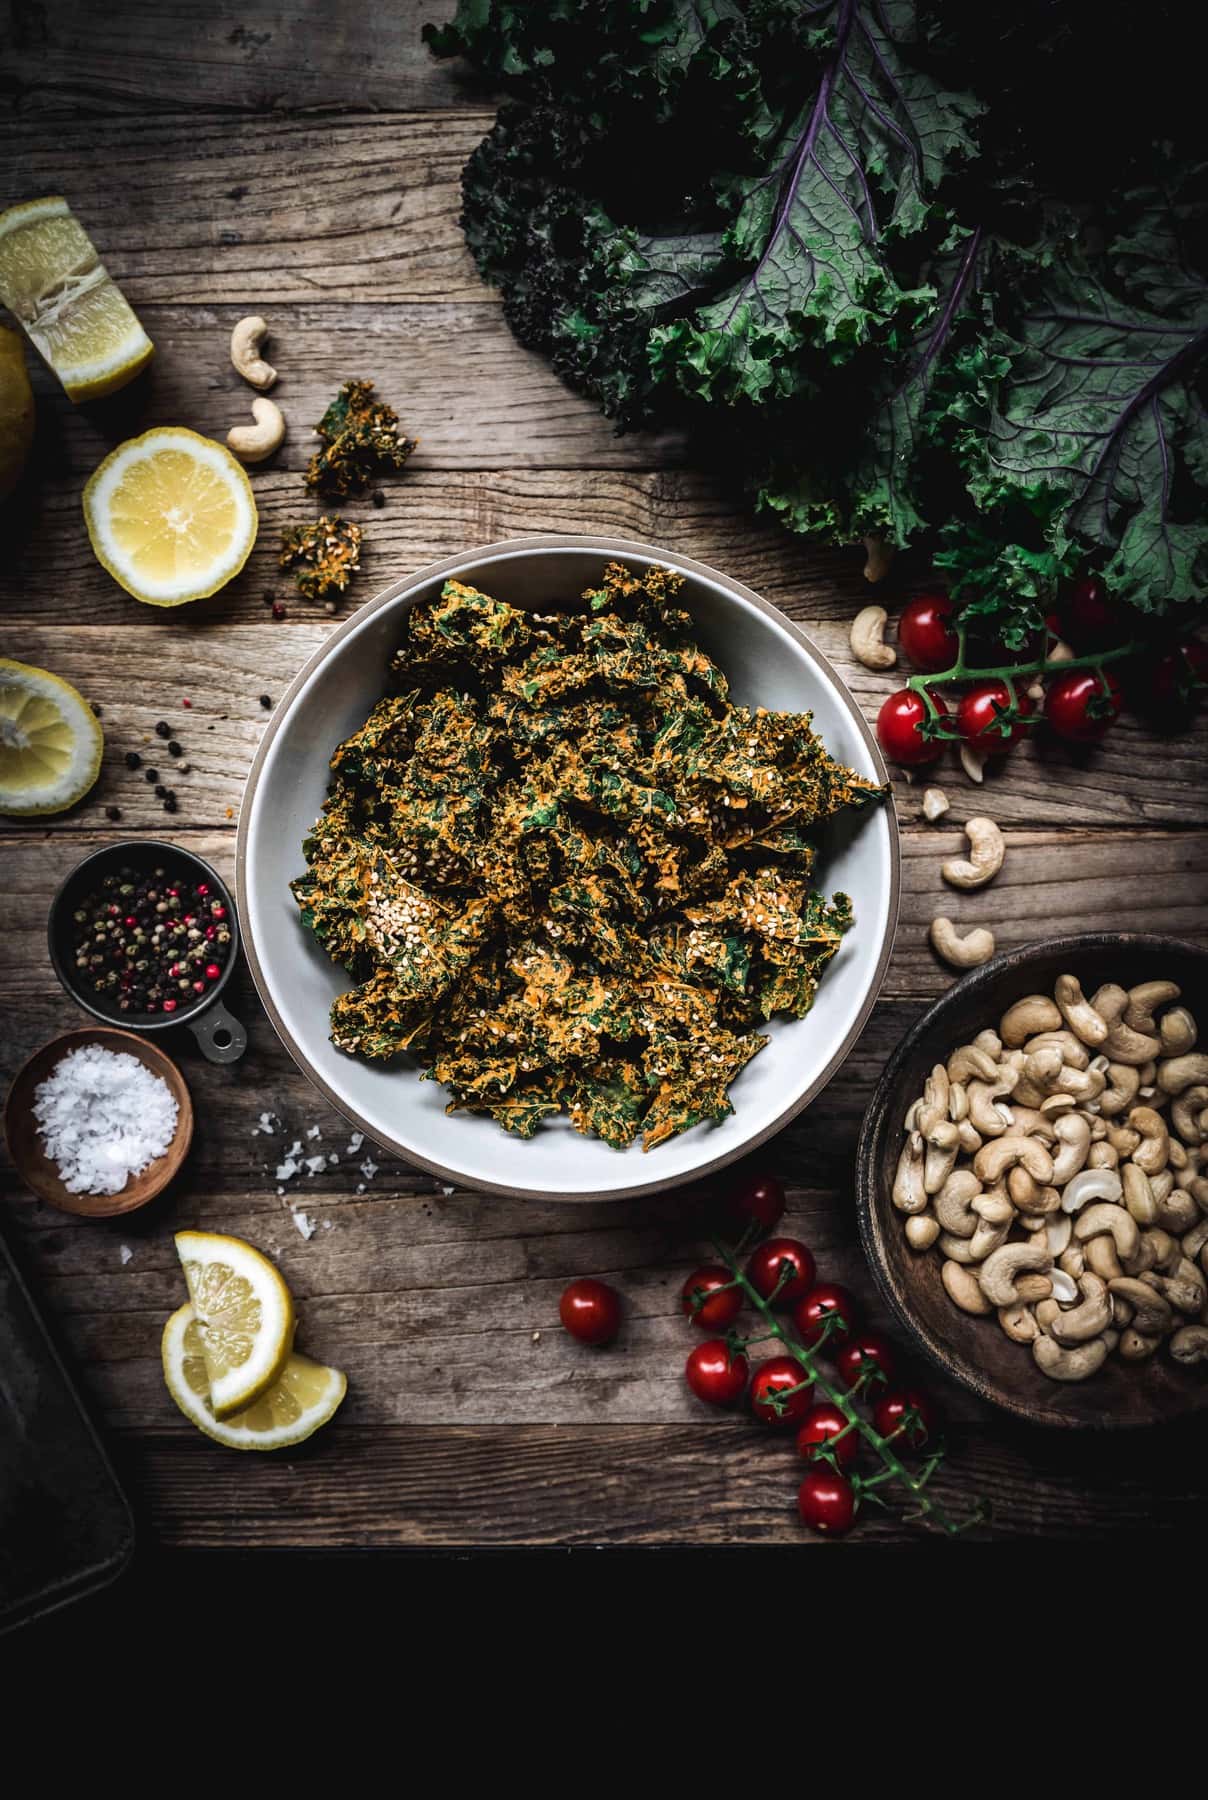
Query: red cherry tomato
{"points": [[811, 1312], [591, 1311], [898, 729], [866, 1354], [826, 1501], [1090, 618], [906, 1416], [1079, 708], [1176, 681], [926, 635], [777, 1376], [722, 1304], [768, 1275], [716, 1374], [825, 1424], [759, 1198], [979, 717]]}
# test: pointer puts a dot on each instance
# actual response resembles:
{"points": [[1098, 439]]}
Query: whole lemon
{"points": [[16, 411]]}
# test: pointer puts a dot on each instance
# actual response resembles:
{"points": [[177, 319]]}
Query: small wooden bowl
{"points": [[40, 1173], [975, 1351]]}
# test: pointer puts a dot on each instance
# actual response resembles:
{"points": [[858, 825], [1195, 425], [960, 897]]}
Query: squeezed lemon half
{"points": [[68, 304], [304, 1396], [244, 1315], [171, 516], [50, 741]]}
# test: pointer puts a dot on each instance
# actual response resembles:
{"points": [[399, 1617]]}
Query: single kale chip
{"points": [[566, 871], [360, 437], [324, 555]]}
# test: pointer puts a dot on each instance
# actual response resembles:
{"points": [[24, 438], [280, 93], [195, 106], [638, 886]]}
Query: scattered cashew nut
{"points": [[977, 946], [986, 852], [935, 803], [246, 340], [254, 443], [1075, 1364], [868, 644]]}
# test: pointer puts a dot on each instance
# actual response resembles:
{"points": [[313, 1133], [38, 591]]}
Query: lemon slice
{"points": [[73, 312], [244, 1316], [50, 741], [171, 516], [305, 1395]]}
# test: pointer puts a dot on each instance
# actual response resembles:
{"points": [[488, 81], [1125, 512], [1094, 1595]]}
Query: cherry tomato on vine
{"points": [[1080, 707], [1090, 617], [768, 1275], [777, 1376], [826, 1501], [864, 1354], [811, 1312], [899, 731], [980, 716], [758, 1198], [591, 1311], [1172, 684], [716, 1374], [906, 1416], [722, 1304], [822, 1425], [926, 635]]}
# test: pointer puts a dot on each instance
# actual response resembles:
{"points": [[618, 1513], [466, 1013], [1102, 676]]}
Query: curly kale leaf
{"points": [[1096, 432]]}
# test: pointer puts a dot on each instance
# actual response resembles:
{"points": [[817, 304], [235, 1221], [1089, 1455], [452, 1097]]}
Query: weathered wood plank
{"points": [[257, 212], [698, 1483], [72, 56]]}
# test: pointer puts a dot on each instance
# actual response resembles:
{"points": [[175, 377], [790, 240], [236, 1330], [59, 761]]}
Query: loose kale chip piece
{"points": [[360, 437], [324, 555]]}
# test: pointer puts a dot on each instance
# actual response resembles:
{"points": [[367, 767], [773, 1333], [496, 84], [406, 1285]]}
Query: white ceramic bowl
{"points": [[769, 663]]}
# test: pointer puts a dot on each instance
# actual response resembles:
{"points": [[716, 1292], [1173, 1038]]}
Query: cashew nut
{"points": [[909, 1195], [1177, 1210], [1091, 1184], [1135, 1346], [253, 443], [1193, 1241], [1034, 1013], [995, 1158], [1074, 1133], [977, 946], [1190, 1344], [986, 852], [997, 1276], [1123, 1139], [1103, 1216], [1078, 1013], [1177, 1032], [971, 1063], [246, 340], [1032, 1288], [986, 1113], [1088, 1320], [868, 644], [1124, 1045], [1185, 1111], [935, 804], [1175, 1073], [1153, 1152], [1152, 1316], [1074, 1054], [1121, 1090], [953, 1203], [1144, 999], [1102, 1260], [1058, 1231], [1184, 1289], [1103, 1156], [1138, 1194], [1019, 1323], [1068, 1365], [921, 1231], [963, 1287], [939, 1158], [1064, 1288]]}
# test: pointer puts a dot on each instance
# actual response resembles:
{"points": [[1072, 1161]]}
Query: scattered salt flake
{"points": [[360, 1187], [305, 1224], [315, 1165], [447, 1190], [287, 1169], [354, 1143], [314, 1132], [125, 1253], [280, 1191], [327, 1224], [536, 1337], [332, 1158], [369, 1168], [295, 1148]]}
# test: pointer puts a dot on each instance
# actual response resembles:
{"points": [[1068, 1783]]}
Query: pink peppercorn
{"points": [[169, 1006], [212, 971]]}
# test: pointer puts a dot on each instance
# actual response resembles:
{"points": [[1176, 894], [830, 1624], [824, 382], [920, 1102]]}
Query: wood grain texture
{"points": [[191, 144]]}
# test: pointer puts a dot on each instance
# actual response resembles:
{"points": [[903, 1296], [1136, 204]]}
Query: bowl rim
{"points": [[501, 550], [876, 1121]]}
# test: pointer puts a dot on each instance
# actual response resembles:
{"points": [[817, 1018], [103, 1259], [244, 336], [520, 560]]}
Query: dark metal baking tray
{"points": [[65, 1524]]}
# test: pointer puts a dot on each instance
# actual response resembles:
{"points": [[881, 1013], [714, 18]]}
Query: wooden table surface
{"points": [[301, 159]]}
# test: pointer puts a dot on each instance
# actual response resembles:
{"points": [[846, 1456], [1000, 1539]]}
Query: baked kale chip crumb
{"points": [[566, 871], [360, 438], [324, 555]]}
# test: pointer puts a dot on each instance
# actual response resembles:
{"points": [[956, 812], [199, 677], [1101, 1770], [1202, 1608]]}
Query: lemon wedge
{"points": [[50, 741], [244, 1315], [305, 1395], [73, 312], [171, 516]]}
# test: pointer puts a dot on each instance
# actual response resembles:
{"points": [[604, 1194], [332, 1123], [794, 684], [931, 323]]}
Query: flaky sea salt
{"points": [[125, 1253], [103, 1117], [305, 1225]]}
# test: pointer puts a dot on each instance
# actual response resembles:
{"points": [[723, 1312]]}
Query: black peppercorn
{"points": [[151, 775], [113, 812], [265, 702], [379, 499], [133, 759], [174, 748], [161, 792], [163, 729], [169, 804]]}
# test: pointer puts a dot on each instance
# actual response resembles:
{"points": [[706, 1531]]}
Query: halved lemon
{"points": [[244, 1315], [50, 741], [171, 516], [72, 310], [304, 1397]]}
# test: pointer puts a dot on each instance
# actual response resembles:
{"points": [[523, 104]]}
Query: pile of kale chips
{"points": [[922, 275]]}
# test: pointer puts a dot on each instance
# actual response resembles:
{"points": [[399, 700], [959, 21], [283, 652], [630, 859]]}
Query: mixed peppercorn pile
{"points": [[151, 942]]}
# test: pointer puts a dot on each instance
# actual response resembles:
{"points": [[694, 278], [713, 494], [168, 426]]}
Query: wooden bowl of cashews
{"points": [[1032, 1181]]}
